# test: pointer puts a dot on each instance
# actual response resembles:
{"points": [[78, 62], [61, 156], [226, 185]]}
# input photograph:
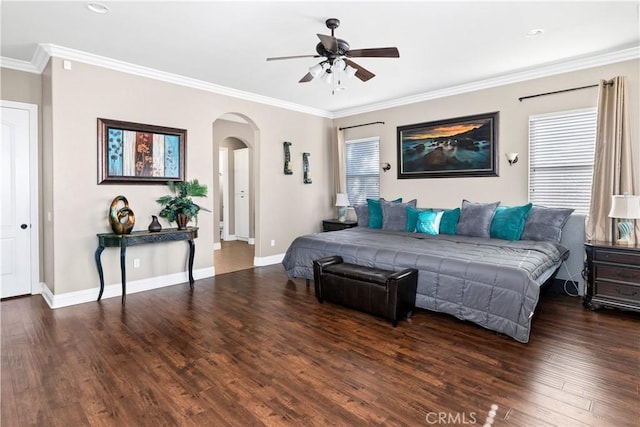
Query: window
{"points": [[362, 158], [561, 153]]}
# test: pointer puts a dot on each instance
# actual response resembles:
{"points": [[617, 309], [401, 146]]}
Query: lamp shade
{"points": [[626, 206], [342, 199], [316, 70], [350, 71], [338, 65]]}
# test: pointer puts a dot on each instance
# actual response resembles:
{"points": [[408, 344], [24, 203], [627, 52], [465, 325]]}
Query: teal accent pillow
{"points": [[508, 222], [429, 222], [375, 212], [449, 221], [412, 218]]}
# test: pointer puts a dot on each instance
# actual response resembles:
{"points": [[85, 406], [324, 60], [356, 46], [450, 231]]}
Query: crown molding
{"points": [[40, 58], [45, 51], [18, 65], [547, 70], [138, 70]]}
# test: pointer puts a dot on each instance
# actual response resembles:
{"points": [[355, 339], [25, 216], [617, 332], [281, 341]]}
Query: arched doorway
{"points": [[234, 172]]}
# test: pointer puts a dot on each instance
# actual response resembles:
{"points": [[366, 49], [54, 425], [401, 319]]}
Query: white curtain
{"points": [[614, 170]]}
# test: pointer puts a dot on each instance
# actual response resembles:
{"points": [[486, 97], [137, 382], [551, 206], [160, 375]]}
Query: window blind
{"points": [[362, 158], [561, 155]]}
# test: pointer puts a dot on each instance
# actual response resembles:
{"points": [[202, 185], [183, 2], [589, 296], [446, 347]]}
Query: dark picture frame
{"points": [[459, 147], [135, 153]]}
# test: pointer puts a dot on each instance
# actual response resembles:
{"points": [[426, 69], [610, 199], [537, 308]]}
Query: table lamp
{"points": [[626, 208], [342, 201]]}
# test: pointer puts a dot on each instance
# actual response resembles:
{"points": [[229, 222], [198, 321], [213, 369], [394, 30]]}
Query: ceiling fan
{"points": [[337, 54]]}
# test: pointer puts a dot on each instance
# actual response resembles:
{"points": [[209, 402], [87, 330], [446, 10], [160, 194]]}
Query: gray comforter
{"points": [[494, 283]]}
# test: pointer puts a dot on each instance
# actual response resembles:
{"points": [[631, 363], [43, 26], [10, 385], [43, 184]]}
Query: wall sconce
{"points": [[385, 166], [512, 158]]}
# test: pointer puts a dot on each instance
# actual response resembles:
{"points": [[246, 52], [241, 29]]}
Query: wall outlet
{"points": [[273, 243], [136, 263]]}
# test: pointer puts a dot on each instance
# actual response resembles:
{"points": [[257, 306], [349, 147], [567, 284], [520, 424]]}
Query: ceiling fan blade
{"points": [[361, 73], [329, 43], [307, 78], [277, 58], [376, 52]]}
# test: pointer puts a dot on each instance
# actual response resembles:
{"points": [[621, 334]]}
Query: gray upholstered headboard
{"points": [[573, 238]]}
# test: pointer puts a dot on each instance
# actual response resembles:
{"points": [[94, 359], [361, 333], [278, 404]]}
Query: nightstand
{"points": [[612, 274], [335, 225]]}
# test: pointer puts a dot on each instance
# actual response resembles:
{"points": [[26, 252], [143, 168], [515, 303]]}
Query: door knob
{"points": [[23, 226]]}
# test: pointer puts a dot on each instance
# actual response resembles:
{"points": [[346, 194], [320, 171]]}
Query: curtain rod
{"points": [[357, 126], [560, 91]]}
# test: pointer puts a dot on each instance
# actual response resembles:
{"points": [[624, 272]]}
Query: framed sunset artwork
{"points": [[460, 147]]}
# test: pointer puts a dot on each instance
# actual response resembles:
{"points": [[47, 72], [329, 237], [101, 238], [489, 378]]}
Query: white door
{"points": [[15, 212], [224, 192], [241, 196]]}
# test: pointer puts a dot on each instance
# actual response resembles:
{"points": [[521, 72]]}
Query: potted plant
{"points": [[180, 207]]}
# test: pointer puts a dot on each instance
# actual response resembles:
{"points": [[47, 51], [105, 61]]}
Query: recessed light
{"points": [[98, 8], [535, 32]]}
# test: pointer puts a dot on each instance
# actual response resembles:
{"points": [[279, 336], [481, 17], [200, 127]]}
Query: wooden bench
{"points": [[389, 294]]}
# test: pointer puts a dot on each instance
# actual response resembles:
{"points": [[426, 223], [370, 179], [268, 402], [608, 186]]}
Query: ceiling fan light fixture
{"points": [[338, 65], [350, 71], [316, 70], [328, 77]]}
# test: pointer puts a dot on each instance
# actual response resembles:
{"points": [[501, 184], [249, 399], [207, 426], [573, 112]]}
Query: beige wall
{"points": [[79, 206], [46, 189], [71, 100], [20, 86], [511, 186]]}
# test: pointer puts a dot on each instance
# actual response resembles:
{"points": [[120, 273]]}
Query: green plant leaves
{"points": [[181, 201]]}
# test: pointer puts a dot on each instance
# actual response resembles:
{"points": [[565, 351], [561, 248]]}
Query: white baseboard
{"points": [[268, 260], [231, 237], [217, 246], [249, 240], [111, 291]]}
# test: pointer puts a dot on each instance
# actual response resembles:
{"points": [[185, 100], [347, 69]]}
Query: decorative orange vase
{"points": [[123, 219]]}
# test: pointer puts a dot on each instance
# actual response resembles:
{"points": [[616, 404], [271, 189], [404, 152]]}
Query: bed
{"points": [[494, 283]]}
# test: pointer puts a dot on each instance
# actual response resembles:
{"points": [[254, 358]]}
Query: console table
{"points": [[122, 241]]}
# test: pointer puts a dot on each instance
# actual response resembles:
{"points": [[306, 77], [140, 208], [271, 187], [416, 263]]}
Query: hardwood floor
{"points": [[235, 255], [252, 348]]}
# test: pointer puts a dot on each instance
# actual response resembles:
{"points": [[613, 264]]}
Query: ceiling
{"points": [[442, 44]]}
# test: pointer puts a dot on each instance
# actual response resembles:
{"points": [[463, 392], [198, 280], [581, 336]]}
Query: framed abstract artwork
{"points": [[134, 153], [460, 147]]}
